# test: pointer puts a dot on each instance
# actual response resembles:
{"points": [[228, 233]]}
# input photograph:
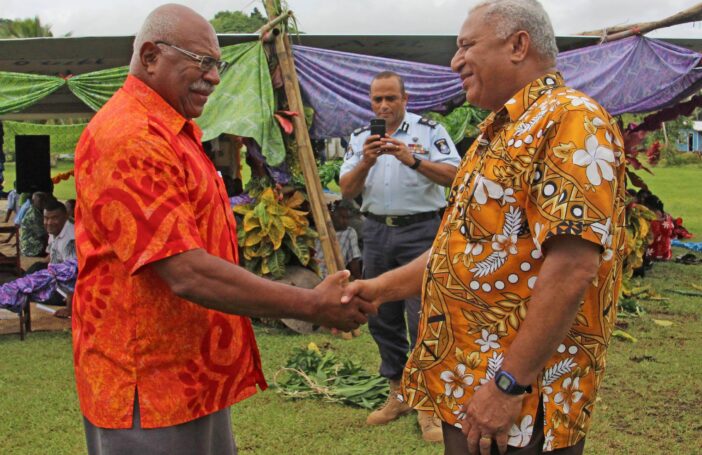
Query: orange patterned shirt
{"points": [[548, 163], [147, 191]]}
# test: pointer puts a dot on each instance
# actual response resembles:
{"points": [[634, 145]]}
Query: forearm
{"points": [[559, 290], [220, 285], [440, 173], [352, 182], [402, 282]]}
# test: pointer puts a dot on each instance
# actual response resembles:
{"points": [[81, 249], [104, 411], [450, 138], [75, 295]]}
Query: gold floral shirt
{"points": [[550, 162]]}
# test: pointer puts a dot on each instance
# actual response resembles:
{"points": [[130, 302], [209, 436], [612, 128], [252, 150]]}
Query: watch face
{"points": [[503, 382]]}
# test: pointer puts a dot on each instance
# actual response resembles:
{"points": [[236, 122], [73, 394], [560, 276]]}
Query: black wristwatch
{"points": [[506, 382], [416, 163]]}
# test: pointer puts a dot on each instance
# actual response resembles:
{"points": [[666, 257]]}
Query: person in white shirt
{"points": [[62, 238], [61, 247]]}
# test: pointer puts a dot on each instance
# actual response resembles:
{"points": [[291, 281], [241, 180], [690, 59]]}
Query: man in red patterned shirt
{"points": [[162, 344]]}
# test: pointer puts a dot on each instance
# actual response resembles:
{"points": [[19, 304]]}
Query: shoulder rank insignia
{"points": [[358, 131], [442, 146], [428, 122]]}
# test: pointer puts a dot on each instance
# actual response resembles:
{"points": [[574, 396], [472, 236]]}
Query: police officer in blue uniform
{"points": [[401, 177]]}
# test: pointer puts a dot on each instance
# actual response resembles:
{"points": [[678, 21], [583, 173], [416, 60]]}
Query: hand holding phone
{"points": [[377, 127]]}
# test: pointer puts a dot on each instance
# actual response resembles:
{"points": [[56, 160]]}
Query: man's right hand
{"points": [[365, 290], [331, 313], [371, 150]]}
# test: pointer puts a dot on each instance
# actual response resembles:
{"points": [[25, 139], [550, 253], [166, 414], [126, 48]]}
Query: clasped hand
{"points": [[374, 146], [331, 312]]}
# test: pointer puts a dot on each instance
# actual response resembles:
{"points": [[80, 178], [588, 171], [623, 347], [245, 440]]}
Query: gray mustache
{"points": [[203, 87]]}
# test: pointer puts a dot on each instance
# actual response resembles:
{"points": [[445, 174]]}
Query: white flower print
{"points": [[485, 188], [473, 249], [548, 440], [460, 415], [488, 341], [582, 101], [493, 366], [598, 122], [504, 244], [596, 158], [538, 229], [507, 197], [456, 380], [608, 254], [570, 393], [604, 231], [520, 435], [546, 391]]}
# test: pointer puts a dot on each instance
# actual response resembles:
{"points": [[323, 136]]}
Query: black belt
{"points": [[401, 220]]}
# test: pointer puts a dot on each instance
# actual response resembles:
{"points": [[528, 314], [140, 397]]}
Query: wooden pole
{"points": [[322, 220], [691, 14], [272, 24]]}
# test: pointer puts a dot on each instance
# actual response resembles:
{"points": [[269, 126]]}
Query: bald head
{"points": [[168, 23], [158, 62]]}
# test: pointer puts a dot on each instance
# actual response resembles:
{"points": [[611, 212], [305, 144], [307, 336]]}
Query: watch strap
{"points": [[416, 163], [506, 383]]}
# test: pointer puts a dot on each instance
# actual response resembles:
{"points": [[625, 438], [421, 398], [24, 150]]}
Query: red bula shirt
{"points": [[147, 191]]}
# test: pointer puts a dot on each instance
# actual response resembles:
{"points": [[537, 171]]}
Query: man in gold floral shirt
{"points": [[519, 289]]}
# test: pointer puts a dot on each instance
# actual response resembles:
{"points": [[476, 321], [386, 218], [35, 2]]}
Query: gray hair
{"points": [[158, 25], [163, 24], [510, 16]]}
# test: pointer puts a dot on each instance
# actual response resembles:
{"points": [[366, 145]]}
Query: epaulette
{"points": [[428, 122], [358, 131]]}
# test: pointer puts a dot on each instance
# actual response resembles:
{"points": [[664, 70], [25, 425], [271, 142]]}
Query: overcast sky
{"points": [[443, 17]]}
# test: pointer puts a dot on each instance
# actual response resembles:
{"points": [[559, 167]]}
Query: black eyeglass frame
{"points": [[207, 62]]}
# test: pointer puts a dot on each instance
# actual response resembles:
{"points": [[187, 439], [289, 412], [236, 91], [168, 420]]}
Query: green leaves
{"points": [[311, 373], [273, 231]]}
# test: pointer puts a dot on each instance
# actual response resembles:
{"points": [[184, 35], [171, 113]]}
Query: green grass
{"points": [[649, 401], [679, 188], [63, 191]]}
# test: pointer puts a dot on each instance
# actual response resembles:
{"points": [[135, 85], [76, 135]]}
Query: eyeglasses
{"points": [[206, 62]]}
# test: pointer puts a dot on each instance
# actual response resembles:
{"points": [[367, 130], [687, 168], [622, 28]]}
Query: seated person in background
{"points": [[62, 247], [348, 241], [33, 236], [62, 237], [12, 203], [71, 209]]}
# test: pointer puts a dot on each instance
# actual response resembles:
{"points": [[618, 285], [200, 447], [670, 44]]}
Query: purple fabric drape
{"points": [[635, 74], [336, 85], [39, 285]]}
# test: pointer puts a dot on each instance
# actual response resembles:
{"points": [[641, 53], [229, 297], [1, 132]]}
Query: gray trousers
{"points": [[386, 248], [208, 435]]}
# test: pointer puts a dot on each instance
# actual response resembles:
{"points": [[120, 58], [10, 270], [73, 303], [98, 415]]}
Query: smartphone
{"points": [[377, 126]]}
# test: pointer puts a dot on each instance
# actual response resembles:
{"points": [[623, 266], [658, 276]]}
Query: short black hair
{"points": [[53, 205], [388, 75]]}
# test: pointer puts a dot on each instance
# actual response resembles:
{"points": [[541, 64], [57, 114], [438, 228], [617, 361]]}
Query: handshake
{"points": [[338, 304]]}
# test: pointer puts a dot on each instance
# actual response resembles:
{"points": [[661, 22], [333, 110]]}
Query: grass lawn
{"points": [[63, 190], [679, 188], [649, 403]]}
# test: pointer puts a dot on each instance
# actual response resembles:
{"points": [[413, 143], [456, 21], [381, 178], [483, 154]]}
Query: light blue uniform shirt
{"points": [[391, 188]]}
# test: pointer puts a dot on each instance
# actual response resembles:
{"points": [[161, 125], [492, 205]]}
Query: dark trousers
{"points": [[208, 435], [455, 442], [386, 248]]}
